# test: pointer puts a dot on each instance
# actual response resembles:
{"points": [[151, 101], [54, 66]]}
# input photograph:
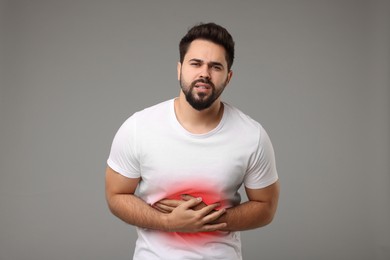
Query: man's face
{"points": [[203, 75]]}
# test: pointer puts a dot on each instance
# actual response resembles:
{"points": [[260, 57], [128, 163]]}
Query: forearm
{"points": [[137, 212], [248, 215]]}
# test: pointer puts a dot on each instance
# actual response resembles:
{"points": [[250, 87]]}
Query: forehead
{"points": [[206, 51]]}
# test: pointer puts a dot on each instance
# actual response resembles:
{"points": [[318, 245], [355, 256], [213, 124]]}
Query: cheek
{"points": [[220, 79]]}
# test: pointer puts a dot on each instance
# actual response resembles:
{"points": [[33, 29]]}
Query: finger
{"points": [[213, 227], [191, 203], [187, 197], [169, 202], [213, 216], [159, 209], [163, 208], [163, 211], [206, 210], [200, 206]]}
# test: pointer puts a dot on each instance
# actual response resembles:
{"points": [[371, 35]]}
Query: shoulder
{"points": [[155, 110], [245, 125], [150, 114], [144, 119], [241, 119]]}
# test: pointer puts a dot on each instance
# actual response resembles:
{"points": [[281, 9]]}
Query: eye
{"points": [[195, 64], [217, 67]]}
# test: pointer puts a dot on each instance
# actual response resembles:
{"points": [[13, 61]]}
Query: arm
{"points": [[128, 207], [258, 211]]}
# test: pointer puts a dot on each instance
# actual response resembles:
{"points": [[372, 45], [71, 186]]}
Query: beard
{"points": [[201, 101]]}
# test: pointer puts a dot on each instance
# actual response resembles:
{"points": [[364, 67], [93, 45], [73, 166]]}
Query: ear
{"points": [[178, 70], [230, 75]]}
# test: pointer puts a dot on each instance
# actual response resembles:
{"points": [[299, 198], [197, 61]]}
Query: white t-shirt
{"points": [[171, 161]]}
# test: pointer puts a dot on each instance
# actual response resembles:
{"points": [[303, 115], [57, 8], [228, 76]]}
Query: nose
{"points": [[205, 72]]}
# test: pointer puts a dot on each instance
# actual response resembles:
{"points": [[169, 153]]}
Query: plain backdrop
{"points": [[315, 74]]}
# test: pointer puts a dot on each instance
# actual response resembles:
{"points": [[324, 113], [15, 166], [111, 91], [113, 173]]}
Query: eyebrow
{"points": [[211, 63]]}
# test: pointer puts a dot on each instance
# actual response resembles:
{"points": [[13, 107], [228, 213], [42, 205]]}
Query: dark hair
{"points": [[211, 32]]}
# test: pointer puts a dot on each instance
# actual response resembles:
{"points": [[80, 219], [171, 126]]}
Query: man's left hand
{"points": [[168, 205]]}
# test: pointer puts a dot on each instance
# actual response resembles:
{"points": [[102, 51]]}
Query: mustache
{"points": [[203, 80]]}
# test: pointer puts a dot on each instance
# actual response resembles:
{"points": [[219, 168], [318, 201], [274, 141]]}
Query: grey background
{"points": [[314, 73]]}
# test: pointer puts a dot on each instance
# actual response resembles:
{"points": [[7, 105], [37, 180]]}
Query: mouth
{"points": [[203, 84]]}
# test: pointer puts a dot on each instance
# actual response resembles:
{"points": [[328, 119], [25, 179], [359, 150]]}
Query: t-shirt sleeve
{"points": [[262, 168], [123, 156]]}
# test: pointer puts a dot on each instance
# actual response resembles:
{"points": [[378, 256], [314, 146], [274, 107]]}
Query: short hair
{"points": [[211, 32]]}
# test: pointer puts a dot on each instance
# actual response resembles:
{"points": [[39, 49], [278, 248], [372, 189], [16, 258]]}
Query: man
{"points": [[188, 157]]}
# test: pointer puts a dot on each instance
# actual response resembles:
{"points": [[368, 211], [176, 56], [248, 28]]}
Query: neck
{"points": [[195, 121]]}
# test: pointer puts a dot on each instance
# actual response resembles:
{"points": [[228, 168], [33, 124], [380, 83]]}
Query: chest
{"points": [[213, 168]]}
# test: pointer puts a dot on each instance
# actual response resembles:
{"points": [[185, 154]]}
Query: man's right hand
{"points": [[184, 218]]}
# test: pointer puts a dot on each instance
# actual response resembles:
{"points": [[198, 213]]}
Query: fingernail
{"points": [[199, 198]]}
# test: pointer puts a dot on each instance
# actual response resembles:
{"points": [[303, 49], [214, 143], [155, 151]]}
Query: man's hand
{"points": [[168, 205], [182, 217], [135, 211], [257, 212]]}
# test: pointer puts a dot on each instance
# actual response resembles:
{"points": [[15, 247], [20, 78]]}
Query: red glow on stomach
{"points": [[209, 194], [205, 190], [199, 238]]}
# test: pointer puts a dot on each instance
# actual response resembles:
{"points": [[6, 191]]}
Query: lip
{"points": [[202, 85]]}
